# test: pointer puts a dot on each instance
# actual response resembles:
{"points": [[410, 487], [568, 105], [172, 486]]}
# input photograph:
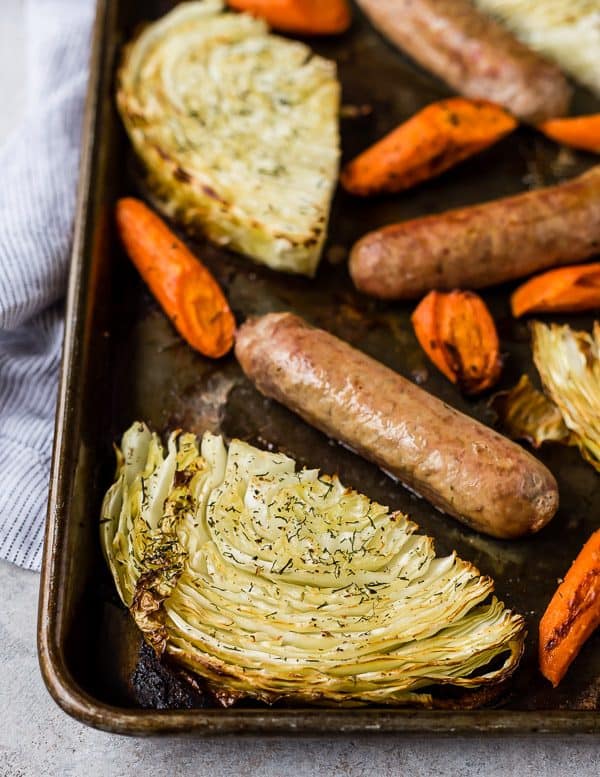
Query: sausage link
{"points": [[461, 466], [474, 54], [482, 245]]}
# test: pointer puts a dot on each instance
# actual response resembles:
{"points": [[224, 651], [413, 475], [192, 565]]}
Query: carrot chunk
{"points": [[565, 290], [573, 613], [458, 334], [186, 290], [433, 140], [581, 132], [303, 17]]}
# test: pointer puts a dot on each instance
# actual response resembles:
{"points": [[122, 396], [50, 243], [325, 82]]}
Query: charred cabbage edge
{"points": [[275, 583], [238, 130]]}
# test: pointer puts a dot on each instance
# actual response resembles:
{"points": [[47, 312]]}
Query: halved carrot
{"points": [[425, 323], [565, 290], [458, 334], [436, 138], [577, 131], [573, 614], [186, 290], [303, 17]]}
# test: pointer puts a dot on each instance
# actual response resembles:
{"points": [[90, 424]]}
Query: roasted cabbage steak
{"points": [[237, 129], [274, 583]]}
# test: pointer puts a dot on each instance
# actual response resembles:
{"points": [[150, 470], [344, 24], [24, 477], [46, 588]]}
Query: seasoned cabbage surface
{"points": [[276, 584], [238, 130], [566, 31]]}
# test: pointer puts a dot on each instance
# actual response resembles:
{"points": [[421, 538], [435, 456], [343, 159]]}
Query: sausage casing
{"points": [[474, 54], [482, 245], [461, 466]]}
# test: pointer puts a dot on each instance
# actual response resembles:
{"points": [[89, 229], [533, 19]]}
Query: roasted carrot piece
{"points": [[458, 334], [425, 321], [186, 290], [577, 131], [573, 613], [566, 290], [303, 17], [436, 138]]}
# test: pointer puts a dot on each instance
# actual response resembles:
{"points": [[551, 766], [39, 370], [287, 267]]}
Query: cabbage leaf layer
{"points": [[276, 584], [527, 414]]}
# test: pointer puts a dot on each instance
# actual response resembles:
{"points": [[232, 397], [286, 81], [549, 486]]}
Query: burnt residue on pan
{"points": [[160, 687]]}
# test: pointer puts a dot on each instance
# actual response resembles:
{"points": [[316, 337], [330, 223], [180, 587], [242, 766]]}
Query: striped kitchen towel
{"points": [[39, 164]]}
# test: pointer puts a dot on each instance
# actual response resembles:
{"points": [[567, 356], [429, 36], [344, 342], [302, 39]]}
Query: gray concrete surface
{"points": [[37, 739]]}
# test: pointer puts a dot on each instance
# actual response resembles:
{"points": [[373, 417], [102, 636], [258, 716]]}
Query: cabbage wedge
{"points": [[566, 32], [274, 583], [569, 366], [238, 131]]}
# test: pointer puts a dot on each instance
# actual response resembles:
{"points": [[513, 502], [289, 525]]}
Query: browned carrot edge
{"points": [[303, 17], [433, 140], [458, 334], [582, 132], [570, 289], [573, 613], [425, 323], [186, 290]]}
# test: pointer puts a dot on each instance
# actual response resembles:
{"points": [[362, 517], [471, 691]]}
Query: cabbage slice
{"points": [[569, 366], [566, 32], [275, 583], [237, 129]]}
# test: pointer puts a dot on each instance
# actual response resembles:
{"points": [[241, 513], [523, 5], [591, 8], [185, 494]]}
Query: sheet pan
{"points": [[122, 361]]}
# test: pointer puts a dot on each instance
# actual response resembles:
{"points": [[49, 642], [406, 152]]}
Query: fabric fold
{"points": [[39, 163]]}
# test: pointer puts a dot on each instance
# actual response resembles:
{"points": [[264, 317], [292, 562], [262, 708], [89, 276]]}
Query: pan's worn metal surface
{"points": [[123, 361]]}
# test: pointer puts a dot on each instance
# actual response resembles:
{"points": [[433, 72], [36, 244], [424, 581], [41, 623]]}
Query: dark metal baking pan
{"points": [[122, 361]]}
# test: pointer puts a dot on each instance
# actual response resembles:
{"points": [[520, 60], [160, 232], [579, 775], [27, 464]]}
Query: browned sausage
{"points": [[474, 54], [461, 466], [482, 245]]}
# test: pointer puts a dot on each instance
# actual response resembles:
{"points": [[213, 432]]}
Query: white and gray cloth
{"points": [[39, 164]]}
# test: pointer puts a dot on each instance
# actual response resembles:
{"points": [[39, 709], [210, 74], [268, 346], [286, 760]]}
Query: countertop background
{"points": [[37, 738]]}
